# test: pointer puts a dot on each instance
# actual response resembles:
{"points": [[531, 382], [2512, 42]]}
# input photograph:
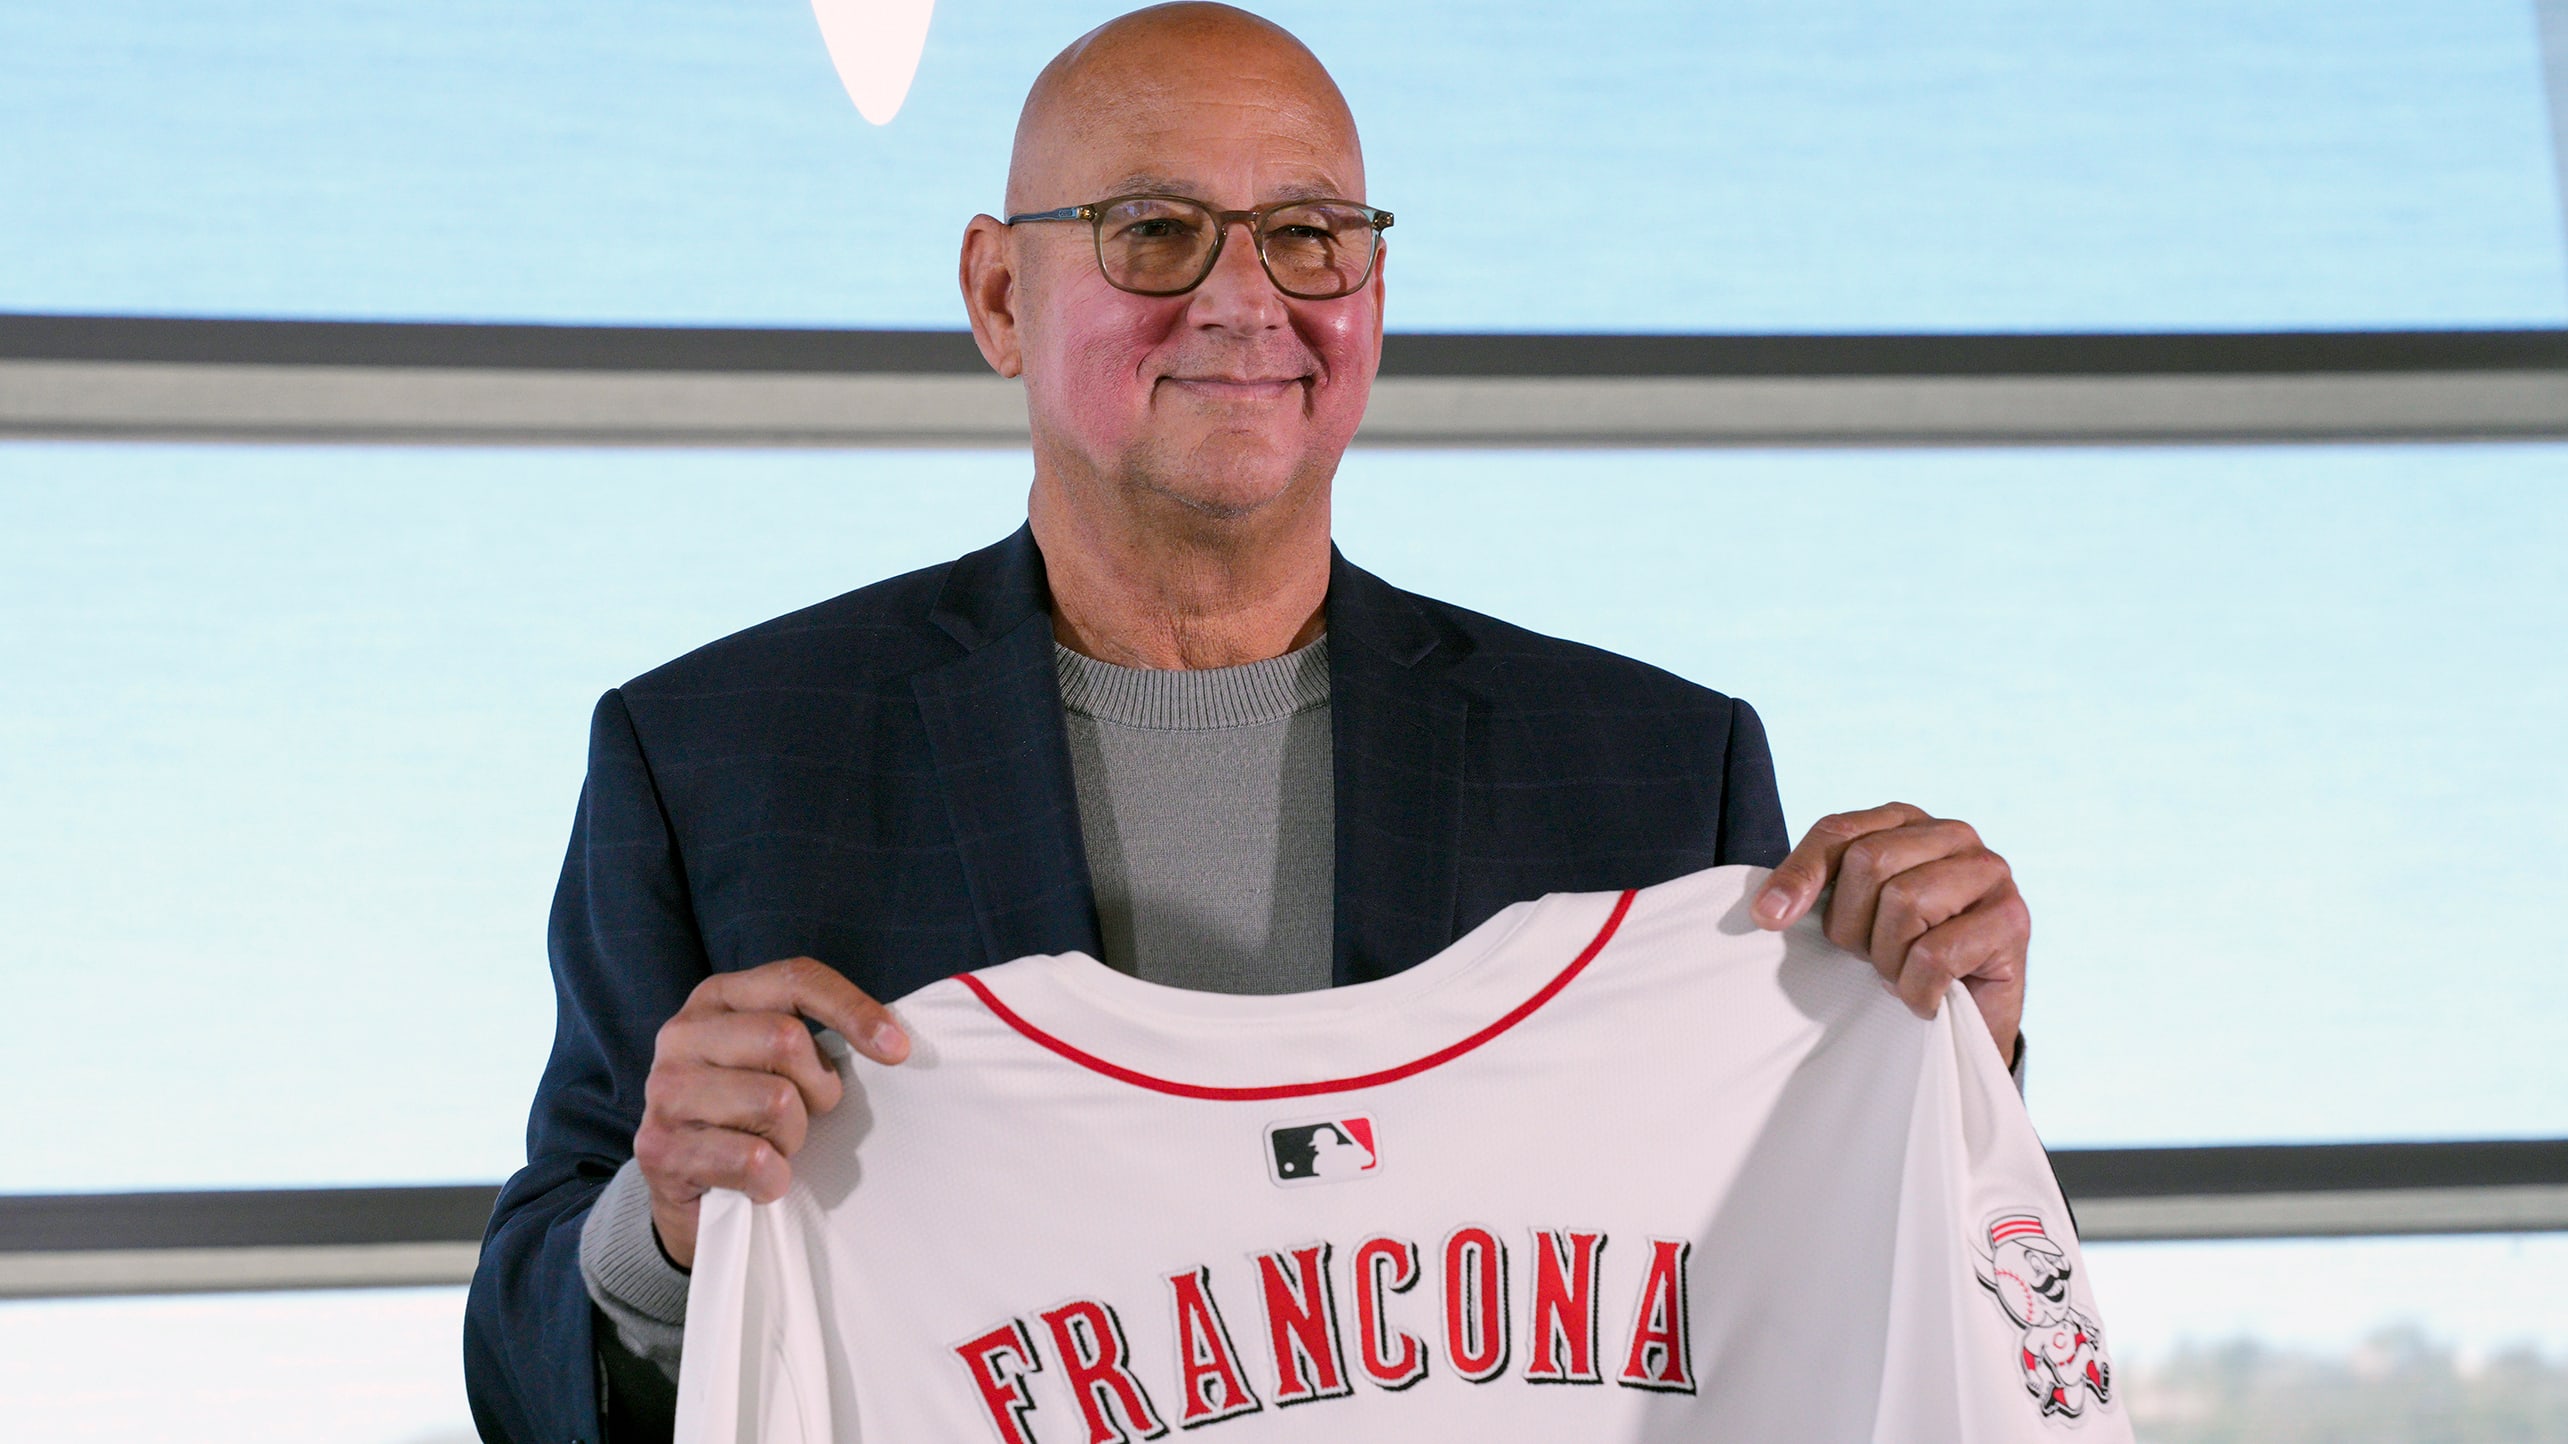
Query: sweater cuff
{"points": [[628, 1275]]}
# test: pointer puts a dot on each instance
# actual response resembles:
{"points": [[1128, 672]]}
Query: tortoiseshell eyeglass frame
{"points": [[1094, 213]]}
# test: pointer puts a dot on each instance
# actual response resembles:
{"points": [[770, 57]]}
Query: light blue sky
{"points": [[2271, 735], [295, 735], [1677, 165]]}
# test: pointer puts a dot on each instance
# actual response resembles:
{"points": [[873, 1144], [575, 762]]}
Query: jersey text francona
{"points": [[1308, 1347], [1614, 1167]]}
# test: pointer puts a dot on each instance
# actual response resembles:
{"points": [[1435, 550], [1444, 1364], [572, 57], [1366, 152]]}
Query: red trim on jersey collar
{"points": [[1518, 1014]]}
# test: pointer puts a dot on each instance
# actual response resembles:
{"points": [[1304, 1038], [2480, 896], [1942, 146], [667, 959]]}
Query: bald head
{"points": [[1140, 80], [1207, 422]]}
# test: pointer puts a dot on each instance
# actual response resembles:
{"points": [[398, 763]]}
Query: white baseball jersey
{"points": [[1615, 1166]]}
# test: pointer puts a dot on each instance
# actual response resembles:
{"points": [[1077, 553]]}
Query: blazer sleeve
{"points": [[1752, 828], [626, 952]]}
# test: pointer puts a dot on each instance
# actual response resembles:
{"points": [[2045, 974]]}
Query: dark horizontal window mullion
{"points": [[288, 1218], [1406, 355], [2308, 1168], [245, 1218]]}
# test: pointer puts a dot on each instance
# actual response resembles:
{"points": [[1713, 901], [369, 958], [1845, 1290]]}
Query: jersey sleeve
{"points": [[752, 1370], [1994, 1333]]}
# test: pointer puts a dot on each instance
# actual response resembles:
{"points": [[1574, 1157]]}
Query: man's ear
{"points": [[1381, 261], [988, 274]]}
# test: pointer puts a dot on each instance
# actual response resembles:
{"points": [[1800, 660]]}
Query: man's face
{"points": [[1230, 395]]}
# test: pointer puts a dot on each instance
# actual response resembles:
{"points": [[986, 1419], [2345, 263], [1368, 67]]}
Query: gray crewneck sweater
{"points": [[1209, 811], [1206, 803]]}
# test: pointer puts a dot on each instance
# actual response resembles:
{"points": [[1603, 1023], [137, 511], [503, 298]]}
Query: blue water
{"points": [[1848, 165]]}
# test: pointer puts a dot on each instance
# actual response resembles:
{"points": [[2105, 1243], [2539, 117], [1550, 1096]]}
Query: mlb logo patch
{"points": [[1320, 1150]]}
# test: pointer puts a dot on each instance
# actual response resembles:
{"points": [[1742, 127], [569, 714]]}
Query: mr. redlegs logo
{"points": [[2061, 1352], [1320, 1150]]}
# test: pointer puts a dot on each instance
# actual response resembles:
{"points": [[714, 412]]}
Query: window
{"points": [[2270, 732], [1848, 166], [294, 742], [356, 1367], [293, 735]]}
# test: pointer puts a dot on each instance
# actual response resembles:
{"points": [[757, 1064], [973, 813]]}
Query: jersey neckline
{"points": [[1087, 985]]}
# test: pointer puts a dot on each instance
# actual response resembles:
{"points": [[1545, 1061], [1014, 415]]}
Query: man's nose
{"points": [[1238, 295]]}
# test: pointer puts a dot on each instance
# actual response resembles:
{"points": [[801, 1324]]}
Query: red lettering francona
{"points": [[1475, 1303], [1209, 1378], [1563, 1346], [1104, 1388], [998, 1362], [1301, 1322], [1096, 1362], [1662, 1352], [1391, 1358]]}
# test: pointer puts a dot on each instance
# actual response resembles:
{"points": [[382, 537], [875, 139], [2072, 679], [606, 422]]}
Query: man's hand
{"points": [[735, 1079], [1923, 898]]}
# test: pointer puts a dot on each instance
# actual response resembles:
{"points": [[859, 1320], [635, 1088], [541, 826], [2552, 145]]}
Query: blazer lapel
{"points": [[1397, 731], [993, 720]]}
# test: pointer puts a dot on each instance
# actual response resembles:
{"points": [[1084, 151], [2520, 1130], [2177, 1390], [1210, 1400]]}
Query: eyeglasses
{"points": [[1155, 245]]}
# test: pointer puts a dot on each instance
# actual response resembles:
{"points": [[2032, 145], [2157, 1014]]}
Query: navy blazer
{"points": [[883, 782]]}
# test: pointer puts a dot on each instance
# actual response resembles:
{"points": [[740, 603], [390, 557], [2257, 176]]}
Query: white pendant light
{"points": [[875, 44]]}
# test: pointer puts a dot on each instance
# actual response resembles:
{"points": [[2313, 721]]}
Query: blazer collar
{"points": [[1399, 722], [1002, 755], [990, 593]]}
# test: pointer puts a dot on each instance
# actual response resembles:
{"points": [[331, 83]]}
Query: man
{"points": [[1164, 724]]}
